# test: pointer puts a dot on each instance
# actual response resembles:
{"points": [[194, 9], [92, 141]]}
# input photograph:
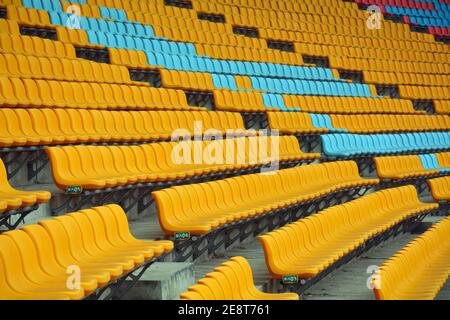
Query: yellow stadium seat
{"points": [[442, 106], [11, 199], [233, 280], [443, 159], [440, 188]]}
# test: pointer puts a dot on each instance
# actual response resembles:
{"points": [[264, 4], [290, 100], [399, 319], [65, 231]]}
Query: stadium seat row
{"points": [[64, 126], [54, 68], [377, 54], [100, 167], [349, 105], [310, 87], [190, 79], [18, 44], [133, 59], [186, 80], [29, 16], [358, 64], [232, 280], [201, 208], [88, 95], [12, 199], [419, 270], [354, 145], [35, 261], [389, 123], [414, 166], [406, 78], [424, 93], [296, 123], [308, 247], [241, 101]]}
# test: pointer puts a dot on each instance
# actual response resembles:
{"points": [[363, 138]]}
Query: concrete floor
{"points": [[347, 283]]}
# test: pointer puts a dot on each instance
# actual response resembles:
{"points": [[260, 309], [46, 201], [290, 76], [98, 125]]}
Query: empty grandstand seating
{"points": [[419, 270], [233, 280], [155, 105], [99, 167], [35, 260], [12, 199], [240, 198], [311, 245]]}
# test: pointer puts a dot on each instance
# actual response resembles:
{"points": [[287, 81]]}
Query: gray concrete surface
{"points": [[163, 281]]}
